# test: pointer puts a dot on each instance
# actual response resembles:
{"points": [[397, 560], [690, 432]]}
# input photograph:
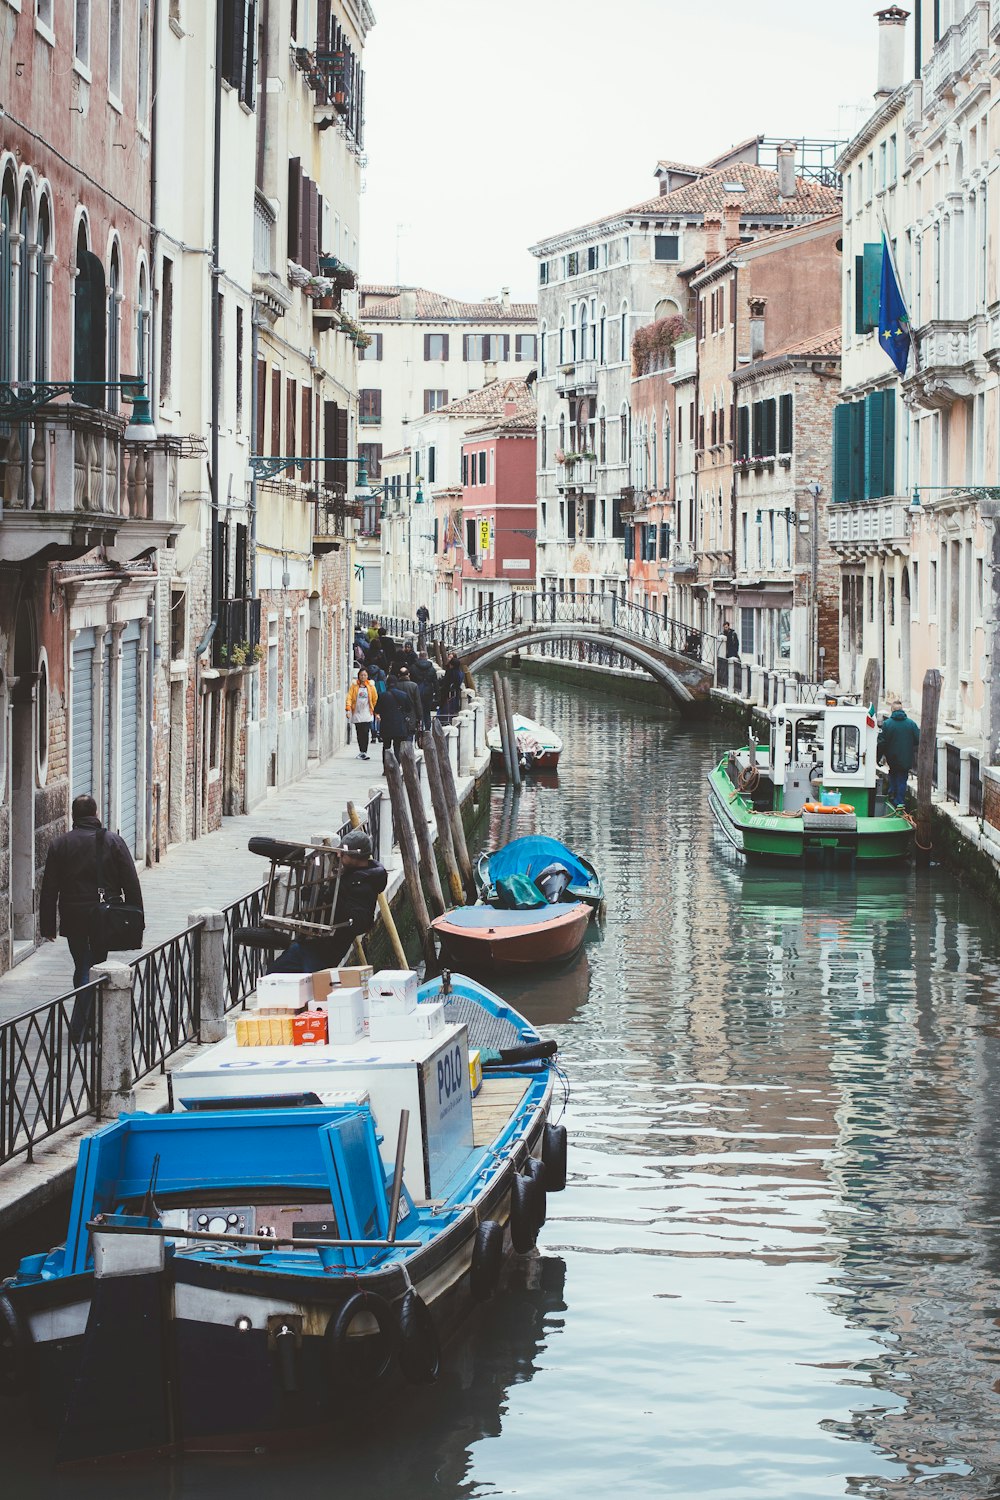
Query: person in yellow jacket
{"points": [[361, 700]]}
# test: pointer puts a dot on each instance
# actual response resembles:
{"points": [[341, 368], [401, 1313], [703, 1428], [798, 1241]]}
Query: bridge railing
{"points": [[609, 612]]}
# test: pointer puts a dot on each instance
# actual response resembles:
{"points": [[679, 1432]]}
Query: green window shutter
{"points": [[859, 293], [842, 452], [785, 424], [743, 432], [770, 427], [889, 442], [872, 287], [874, 445], [857, 487]]}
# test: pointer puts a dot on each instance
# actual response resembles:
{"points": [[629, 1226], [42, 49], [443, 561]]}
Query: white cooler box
{"points": [[422, 1021], [392, 992]]}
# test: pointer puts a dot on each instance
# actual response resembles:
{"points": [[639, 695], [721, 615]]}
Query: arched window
{"points": [[562, 434], [601, 344], [602, 437], [142, 326], [624, 331], [89, 320], [562, 341], [543, 445], [626, 452], [542, 351], [6, 277], [653, 465], [583, 330], [43, 248], [114, 326], [24, 307], [666, 451]]}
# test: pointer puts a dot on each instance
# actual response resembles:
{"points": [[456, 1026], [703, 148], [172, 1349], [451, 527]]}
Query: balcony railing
{"points": [[333, 519], [237, 633], [869, 524], [579, 377]]}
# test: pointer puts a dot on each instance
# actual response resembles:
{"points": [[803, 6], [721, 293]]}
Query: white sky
{"points": [[492, 125]]}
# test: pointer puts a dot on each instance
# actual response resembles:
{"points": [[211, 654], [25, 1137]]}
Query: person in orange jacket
{"points": [[361, 700]]}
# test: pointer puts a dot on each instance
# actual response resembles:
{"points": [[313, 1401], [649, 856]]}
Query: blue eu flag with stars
{"points": [[893, 319]]}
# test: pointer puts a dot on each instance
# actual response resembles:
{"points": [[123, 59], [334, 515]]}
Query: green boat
{"points": [[813, 791]]}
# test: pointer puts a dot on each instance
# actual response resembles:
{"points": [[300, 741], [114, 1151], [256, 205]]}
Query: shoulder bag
{"points": [[113, 924]]}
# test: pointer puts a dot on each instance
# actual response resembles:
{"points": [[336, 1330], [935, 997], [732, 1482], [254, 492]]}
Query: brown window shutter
{"points": [[307, 429], [261, 403], [329, 439], [291, 398], [313, 245], [427, 346], [341, 445], [294, 206], [732, 300], [275, 412]]}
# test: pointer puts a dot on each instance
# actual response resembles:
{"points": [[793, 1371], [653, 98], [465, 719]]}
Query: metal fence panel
{"points": [[166, 1001], [48, 1079]]}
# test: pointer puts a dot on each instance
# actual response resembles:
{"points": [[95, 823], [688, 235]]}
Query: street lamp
{"points": [[266, 466], [22, 400]]}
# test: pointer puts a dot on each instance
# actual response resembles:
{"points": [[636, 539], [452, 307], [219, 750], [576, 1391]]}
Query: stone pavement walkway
{"points": [[214, 870]]}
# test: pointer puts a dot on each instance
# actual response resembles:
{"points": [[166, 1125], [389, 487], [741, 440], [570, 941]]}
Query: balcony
{"points": [[236, 644], [577, 473], [868, 526], [973, 39], [333, 520], [577, 379], [950, 366], [70, 484]]}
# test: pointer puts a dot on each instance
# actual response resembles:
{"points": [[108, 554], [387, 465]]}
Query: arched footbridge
{"points": [[676, 654]]}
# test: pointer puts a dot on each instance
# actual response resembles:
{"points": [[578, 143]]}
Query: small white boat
{"points": [[538, 748]]}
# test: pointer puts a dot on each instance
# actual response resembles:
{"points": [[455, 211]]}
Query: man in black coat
{"points": [[70, 882], [425, 675], [362, 879], [393, 710]]}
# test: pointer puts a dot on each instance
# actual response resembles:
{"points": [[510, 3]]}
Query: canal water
{"points": [[774, 1272]]}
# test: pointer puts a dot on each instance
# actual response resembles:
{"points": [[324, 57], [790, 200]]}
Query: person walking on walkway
{"points": [[70, 883], [362, 879], [732, 641], [897, 745], [393, 709], [416, 713], [451, 688], [425, 675], [423, 620], [361, 701]]}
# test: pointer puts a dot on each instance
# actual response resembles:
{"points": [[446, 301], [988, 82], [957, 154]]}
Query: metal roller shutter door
{"points": [[129, 758], [83, 714]]}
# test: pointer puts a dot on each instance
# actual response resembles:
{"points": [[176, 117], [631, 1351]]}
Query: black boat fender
{"points": [[15, 1350], [361, 1359], [524, 1211], [487, 1260], [534, 1169], [419, 1345], [554, 1157]]}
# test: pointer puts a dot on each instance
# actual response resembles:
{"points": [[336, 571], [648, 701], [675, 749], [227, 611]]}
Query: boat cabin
{"points": [[817, 752]]}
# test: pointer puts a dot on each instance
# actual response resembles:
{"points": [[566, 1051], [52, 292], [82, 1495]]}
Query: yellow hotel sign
{"points": [[484, 537]]}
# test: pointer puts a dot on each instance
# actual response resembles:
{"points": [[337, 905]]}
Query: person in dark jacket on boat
{"points": [[362, 879], [70, 884], [897, 746]]}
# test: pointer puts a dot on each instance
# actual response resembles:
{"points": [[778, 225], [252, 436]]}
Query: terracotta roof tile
{"points": [[490, 400], [759, 196], [434, 307], [824, 345]]}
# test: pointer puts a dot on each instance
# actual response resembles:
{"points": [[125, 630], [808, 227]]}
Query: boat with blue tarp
{"points": [[543, 862], [308, 1222]]}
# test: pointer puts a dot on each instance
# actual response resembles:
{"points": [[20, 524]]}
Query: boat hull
{"points": [[769, 837], [510, 939], [547, 761]]}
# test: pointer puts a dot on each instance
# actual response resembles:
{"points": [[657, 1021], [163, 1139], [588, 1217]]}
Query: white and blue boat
{"points": [[308, 1222], [538, 858]]}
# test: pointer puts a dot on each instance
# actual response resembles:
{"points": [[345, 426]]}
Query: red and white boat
{"points": [[485, 937]]}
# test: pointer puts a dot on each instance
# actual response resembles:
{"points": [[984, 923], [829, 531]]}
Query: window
{"points": [[305, 214], [115, 48], [142, 89], [592, 257], [81, 32], [573, 263], [239, 32], [465, 470], [785, 423], [43, 240], [436, 346], [763, 432], [372, 350], [178, 624], [167, 328], [433, 400], [114, 327], [867, 288], [431, 463], [370, 455], [525, 347], [239, 371], [486, 346], [746, 632], [864, 445], [43, 13], [370, 407], [845, 750], [543, 445], [543, 272], [482, 467], [666, 247]]}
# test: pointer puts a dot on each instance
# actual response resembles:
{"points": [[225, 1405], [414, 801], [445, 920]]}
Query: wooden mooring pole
{"points": [[926, 755], [440, 804], [515, 764], [454, 810], [501, 707], [408, 849], [428, 863]]}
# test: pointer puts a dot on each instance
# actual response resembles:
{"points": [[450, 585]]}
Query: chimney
{"points": [[407, 304], [732, 226], [891, 39], [713, 240], [756, 306], [786, 170], [505, 298]]}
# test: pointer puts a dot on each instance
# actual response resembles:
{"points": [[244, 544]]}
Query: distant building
{"points": [[427, 351], [498, 503]]}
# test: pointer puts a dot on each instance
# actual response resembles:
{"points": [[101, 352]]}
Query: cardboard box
{"points": [[419, 1024], [392, 992], [345, 1014], [294, 989], [475, 1071], [309, 1031], [324, 980]]}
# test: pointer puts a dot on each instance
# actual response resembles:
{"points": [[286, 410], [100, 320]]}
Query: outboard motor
{"points": [[552, 882]]}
